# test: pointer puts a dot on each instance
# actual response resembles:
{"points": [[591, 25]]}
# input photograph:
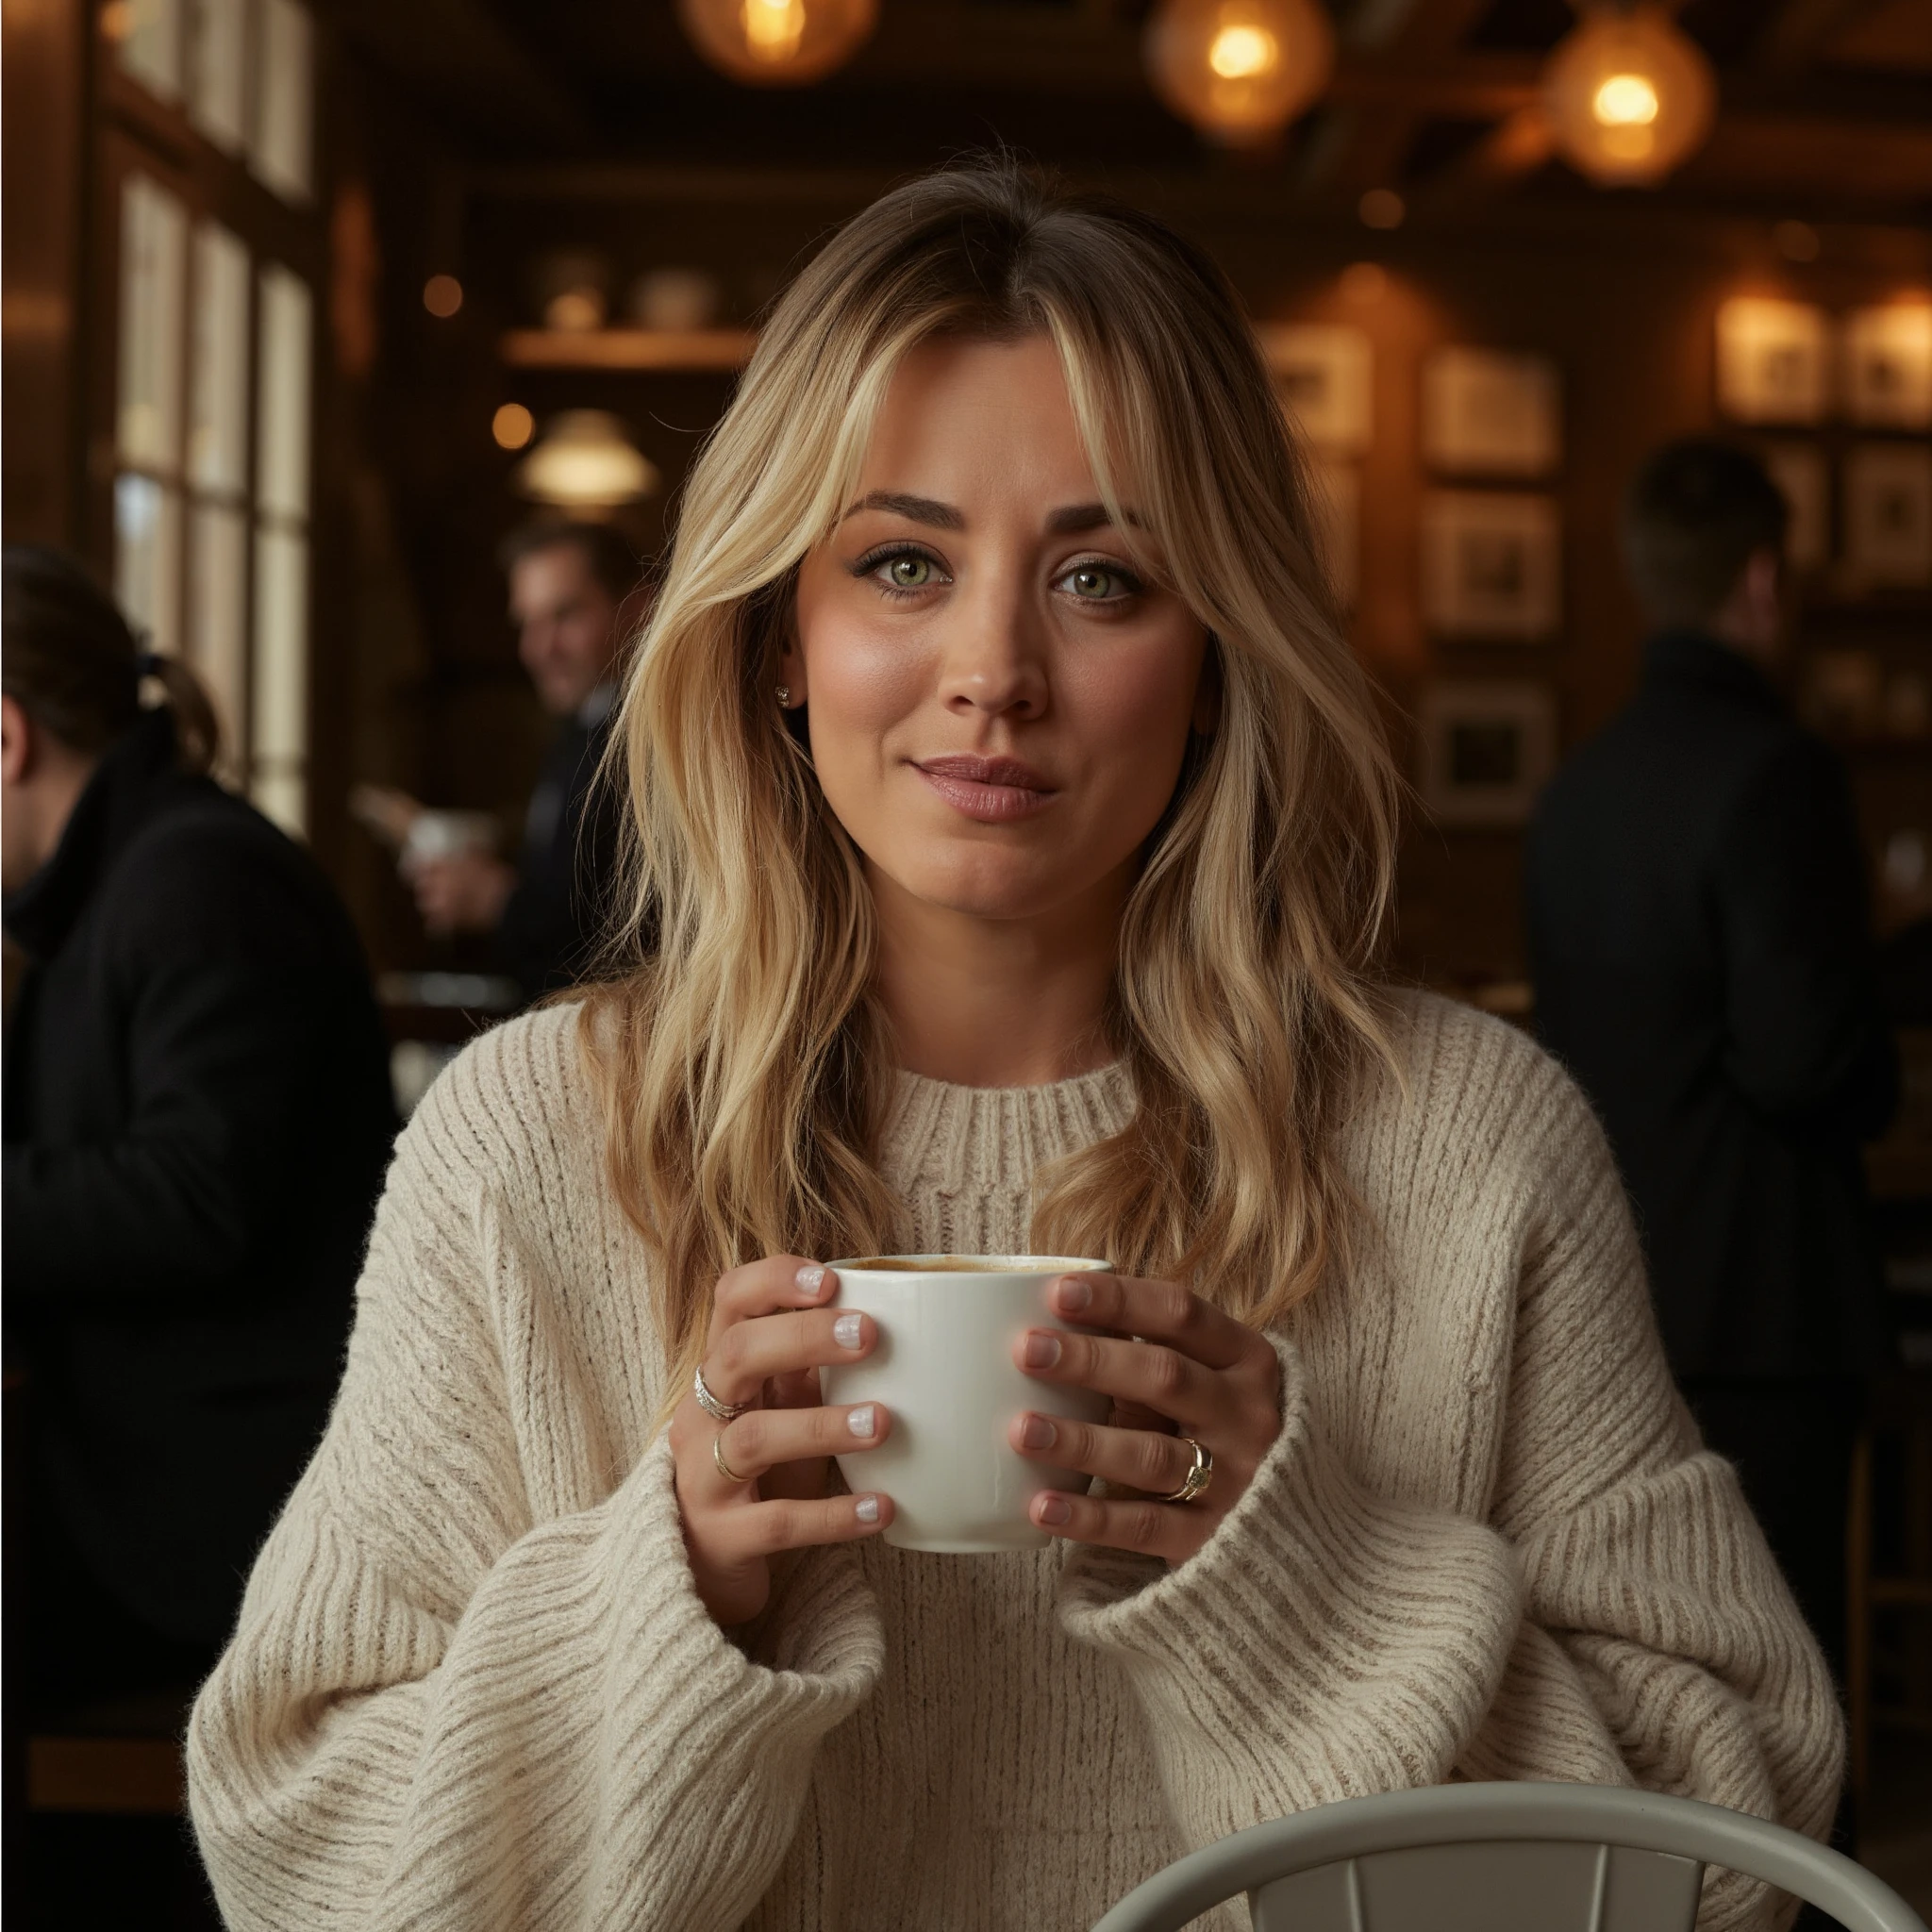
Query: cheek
{"points": [[1133, 709]]}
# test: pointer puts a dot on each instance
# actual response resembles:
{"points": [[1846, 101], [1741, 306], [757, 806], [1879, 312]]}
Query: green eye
{"points": [[1088, 581], [909, 573]]}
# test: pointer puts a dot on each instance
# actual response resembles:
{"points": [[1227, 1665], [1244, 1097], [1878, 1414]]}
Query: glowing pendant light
{"points": [[585, 460], [1240, 70], [777, 42], [1630, 97]]}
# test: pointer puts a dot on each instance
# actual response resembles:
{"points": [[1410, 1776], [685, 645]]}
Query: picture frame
{"points": [[1492, 565], [1324, 377], [1338, 495], [1774, 361], [1888, 512], [1886, 359], [1485, 412], [1804, 480], [1487, 748]]}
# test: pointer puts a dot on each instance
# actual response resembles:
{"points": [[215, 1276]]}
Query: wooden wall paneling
{"points": [[43, 58]]}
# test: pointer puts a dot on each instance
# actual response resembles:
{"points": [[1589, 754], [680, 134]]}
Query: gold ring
{"points": [[724, 1469], [1196, 1480]]}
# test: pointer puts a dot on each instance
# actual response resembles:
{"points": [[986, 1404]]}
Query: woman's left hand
{"points": [[1176, 1368]]}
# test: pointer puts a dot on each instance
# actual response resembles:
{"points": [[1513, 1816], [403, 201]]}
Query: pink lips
{"points": [[994, 791]]}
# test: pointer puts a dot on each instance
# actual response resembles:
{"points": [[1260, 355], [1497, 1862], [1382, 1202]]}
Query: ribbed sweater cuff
{"points": [[820, 1633], [1368, 1632]]}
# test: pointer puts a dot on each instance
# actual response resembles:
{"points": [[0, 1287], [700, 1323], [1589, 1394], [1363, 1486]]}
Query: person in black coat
{"points": [[1700, 945], [197, 1121], [577, 592]]}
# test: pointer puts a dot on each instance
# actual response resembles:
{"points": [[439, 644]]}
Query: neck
{"points": [[998, 1002]]}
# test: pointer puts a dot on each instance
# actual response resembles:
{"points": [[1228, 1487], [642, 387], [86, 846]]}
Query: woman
{"points": [[1021, 839], [197, 1119]]}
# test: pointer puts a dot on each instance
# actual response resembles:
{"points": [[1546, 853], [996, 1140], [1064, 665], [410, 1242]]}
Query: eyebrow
{"points": [[943, 516]]}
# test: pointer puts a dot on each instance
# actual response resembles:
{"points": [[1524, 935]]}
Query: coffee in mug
{"points": [[944, 1367]]}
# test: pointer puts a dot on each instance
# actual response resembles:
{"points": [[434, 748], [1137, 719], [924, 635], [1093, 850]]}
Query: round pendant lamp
{"points": [[777, 42], [585, 460], [1630, 95], [1240, 70]]}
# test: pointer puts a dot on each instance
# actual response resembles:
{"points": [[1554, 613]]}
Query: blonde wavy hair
{"points": [[743, 1063]]}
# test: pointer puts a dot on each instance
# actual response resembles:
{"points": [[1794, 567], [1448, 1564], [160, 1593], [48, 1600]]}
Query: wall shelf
{"points": [[685, 350]]}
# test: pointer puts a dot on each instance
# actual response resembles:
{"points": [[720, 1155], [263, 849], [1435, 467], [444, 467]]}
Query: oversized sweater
{"points": [[472, 1684]]}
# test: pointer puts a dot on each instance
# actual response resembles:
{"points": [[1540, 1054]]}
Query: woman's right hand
{"points": [[771, 1332]]}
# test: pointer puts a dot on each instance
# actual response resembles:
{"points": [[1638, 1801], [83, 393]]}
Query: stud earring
{"points": [[784, 697]]}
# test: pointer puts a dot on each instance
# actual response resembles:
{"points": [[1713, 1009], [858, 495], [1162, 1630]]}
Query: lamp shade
{"points": [[585, 460], [777, 42], [1630, 95], [1240, 70]]}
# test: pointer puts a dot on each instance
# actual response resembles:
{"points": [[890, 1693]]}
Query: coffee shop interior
{"points": [[309, 304]]}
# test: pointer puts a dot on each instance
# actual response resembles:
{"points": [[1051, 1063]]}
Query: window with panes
{"points": [[210, 178]]}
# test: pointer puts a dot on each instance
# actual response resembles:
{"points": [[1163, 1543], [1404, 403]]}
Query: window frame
{"points": [[133, 131]]}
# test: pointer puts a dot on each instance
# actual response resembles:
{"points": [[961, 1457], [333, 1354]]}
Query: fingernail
{"points": [[845, 1332], [1036, 1432], [867, 1509], [809, 1280], [1052, 1509], [1072, 1295], [1042, 1351], [863, 1420]]}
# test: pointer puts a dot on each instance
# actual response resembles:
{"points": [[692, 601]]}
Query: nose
{"points": [[994, 662]]}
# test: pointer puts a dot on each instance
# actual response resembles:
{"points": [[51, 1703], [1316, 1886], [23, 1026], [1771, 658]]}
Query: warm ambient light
{"points": [[586, 461], [1625, 100], [777, 42], [1630, 97], [1240, 70], [512, 426], [443, 295], [1241, 53]]}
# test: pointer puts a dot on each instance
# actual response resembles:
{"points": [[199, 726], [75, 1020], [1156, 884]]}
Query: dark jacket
{"points": [[1699, 939], [197, 1121], [567, 863]]}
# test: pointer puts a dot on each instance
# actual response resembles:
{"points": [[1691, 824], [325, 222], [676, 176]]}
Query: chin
{"points": [[1007, 887]]}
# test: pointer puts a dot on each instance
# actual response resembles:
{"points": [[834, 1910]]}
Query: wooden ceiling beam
{"points": [[1798, 30], [1376, 135]]}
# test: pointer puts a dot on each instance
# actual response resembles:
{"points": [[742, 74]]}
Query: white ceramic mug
{"points": [[944, 1368]]}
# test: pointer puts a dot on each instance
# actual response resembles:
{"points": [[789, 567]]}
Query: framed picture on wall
{"points": [[1888, 514], [1799, 470], [1888, 365], [1490, 414], [1487, 748], [1773, 362], [1324, 374], [1338, 509], [1492, 565]]}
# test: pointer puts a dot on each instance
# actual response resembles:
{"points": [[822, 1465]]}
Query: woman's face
{"points": [[998, 700]]}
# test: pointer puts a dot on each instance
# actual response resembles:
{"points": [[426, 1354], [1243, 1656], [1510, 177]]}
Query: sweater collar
{"points": [[1693, 657], [967, 1139], [107, 813]]}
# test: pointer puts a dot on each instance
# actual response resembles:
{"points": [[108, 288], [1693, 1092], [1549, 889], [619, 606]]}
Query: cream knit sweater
{"points": [[472, 1685]]}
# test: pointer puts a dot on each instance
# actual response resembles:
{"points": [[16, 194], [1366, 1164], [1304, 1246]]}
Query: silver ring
{"points": [[1196, 1480], [724, 1469], [718, 1411]]}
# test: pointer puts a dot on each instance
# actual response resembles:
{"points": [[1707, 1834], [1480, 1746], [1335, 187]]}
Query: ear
{"points": [[1206, 719], [17, 747]]}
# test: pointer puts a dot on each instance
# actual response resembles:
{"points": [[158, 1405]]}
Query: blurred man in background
{"points": [[1699, 939], [197, 1122], [574, 596]]}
